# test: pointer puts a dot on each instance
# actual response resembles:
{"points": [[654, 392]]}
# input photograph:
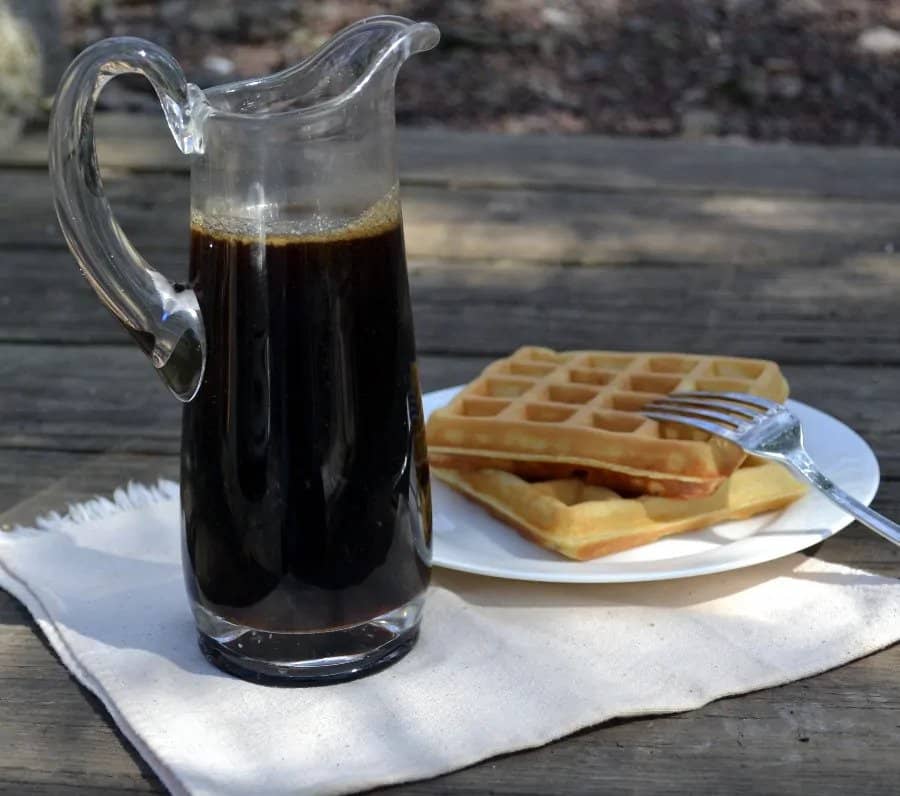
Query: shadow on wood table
{"points": [[769, 251]]}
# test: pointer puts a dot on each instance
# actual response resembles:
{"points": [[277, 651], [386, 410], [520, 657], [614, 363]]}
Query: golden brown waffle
{"points": [[582, 521], [545, 414]]}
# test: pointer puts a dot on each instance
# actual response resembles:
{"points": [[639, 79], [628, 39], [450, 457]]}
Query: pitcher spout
{"points": [[367, 53]]}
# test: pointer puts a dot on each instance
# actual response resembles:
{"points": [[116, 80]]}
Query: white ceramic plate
{"points": [[467, 538]]}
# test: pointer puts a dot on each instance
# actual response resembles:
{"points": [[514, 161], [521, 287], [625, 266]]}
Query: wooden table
{"points": [[779, 251]]}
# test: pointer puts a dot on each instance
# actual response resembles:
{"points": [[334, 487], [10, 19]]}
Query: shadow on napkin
{"points": [[500, 666], [86, 586], [129, 602]]}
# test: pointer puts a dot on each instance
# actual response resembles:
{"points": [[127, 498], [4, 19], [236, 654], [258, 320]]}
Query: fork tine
{"points": [[683, 407], [740, 397], [703, 425], [680, 400]]}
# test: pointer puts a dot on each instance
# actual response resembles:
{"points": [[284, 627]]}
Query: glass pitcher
{"points": [[304, 480]]}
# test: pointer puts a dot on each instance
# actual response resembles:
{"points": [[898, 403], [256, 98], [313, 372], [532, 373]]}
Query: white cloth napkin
{"points": [[500, 665]]}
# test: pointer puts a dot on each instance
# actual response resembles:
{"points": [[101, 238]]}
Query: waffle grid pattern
{"points": [[601, 390], [545, 414]]}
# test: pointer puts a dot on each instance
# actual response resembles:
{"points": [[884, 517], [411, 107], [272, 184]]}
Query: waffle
{"points": [[583, 522], [544, 414]]}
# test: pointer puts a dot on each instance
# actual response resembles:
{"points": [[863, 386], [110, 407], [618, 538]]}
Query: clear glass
{"points": [[305, 493]]}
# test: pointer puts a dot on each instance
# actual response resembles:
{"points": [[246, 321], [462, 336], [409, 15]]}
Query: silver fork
{"points": [[766, 429]]}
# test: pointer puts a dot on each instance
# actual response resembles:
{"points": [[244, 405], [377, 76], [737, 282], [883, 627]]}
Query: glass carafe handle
{"points": [[162, 317]]}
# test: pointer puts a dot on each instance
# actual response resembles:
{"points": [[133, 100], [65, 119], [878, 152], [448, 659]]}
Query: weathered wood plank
{"points": [[555, 226], [597, 163], [800, 738], [34, 482], [812, 735], [777, 741], [584, 162], [53, 732], [106, 398], [108, 395], [838, 314], [70, 746], [688, 215], [80, 416], [585, 228]]}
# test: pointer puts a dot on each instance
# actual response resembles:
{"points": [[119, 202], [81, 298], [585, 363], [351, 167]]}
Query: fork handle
{"points": [[802, 464]]}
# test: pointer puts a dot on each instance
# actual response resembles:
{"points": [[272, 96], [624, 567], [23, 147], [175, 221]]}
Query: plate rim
{"points": [[815, 536]]}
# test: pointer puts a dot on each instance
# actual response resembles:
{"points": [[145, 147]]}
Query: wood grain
{"points": [[554, 225], [81, 416], [103, 395], [843, 313], [781, 252], [62, 738], [571, 163], [826, 734]]}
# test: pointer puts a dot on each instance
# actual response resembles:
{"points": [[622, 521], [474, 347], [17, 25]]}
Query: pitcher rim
{"points": [[415, 36]]}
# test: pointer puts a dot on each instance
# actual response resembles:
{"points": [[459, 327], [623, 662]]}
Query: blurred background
{"points": [[823, 71]]}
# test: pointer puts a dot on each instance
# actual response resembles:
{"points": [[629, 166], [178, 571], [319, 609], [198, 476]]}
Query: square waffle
{"points": [[583, 521], [544, 414]]}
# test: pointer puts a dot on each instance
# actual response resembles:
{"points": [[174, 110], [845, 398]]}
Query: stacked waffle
{"points": [[554, 444]]}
